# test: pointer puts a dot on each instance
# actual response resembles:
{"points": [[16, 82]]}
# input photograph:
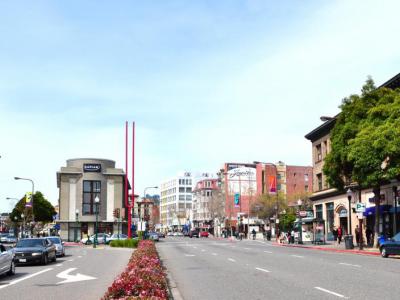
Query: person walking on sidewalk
{"points": [[368, 233], [339, 235], [357, 233], [334, 232]]}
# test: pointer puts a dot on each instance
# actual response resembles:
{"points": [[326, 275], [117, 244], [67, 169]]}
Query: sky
{"points": [[206, 82]]}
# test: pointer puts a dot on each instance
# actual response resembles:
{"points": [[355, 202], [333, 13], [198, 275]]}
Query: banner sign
{"points": [[242, 181], [237, 200], [272, 184], [28, 199]]}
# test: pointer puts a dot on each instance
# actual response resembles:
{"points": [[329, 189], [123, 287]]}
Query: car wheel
{"points": [[384, 252], [55, 257], [12, 269], [45, 260]]}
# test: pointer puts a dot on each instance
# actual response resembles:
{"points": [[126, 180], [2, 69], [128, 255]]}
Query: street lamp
{"points": [[394, 188], [33, 191], [96, 202], [349, 195], [300, 241], [76, 225], [23, 226], [16, 226]]}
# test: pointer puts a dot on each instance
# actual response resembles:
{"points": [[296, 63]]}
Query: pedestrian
{"points": [[357, 233], [288, 236], [335, 234], [368, 234], [253, 232], [339, 234]]}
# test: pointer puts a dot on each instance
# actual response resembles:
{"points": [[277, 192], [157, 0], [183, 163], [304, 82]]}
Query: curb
{"points": [[360, 252], [174, 292]]}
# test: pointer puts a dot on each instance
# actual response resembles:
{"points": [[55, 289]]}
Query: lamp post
{"points": [[96, 202], [76, 225], [394, 188], [349, 195], [33, 192], [16, 226], [23, 226], [300, 241]]}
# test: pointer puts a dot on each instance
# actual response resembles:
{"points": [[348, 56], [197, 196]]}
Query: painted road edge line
{"points": [[351, 265], [298, 256], [330, 292], [262, 270], [231, 259], [267, 251], [26, 277]]}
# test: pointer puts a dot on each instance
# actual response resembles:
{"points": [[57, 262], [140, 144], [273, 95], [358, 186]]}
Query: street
{"points": [[84, 273], [224, 269]]}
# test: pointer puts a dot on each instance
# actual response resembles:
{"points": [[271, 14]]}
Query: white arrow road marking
{"points": [[26, 277], [267, 251], [298, 256], [214, 254], [72, 278], [330, 292]]}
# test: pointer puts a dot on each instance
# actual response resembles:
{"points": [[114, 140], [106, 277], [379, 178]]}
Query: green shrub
{"points": [[128, 243]]}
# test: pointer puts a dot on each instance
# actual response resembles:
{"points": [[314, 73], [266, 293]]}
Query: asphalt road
{"points": [[61, 280], [223, 269]]}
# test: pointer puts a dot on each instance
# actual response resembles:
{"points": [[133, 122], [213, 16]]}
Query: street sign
{"points": [[303, 213], [360, 207]]}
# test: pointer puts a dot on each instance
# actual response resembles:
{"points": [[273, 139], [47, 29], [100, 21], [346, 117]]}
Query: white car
{"points": [[178, 233], [7, 264], [101, 239], [116, 236]]}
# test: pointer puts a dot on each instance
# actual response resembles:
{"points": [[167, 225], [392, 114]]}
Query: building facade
{"points": [[80, 183], [332, 205], [206, 202], [176, 201]]}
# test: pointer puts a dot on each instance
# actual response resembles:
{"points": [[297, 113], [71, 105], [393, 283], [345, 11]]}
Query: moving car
{"points": [[11, 239], [390, 246], [60, 249], [170, 233], [153, 236], [161, 234], [116, 236], [178, 233], [204, 234], [7, 265], [101, 239], [194, 233], [35, 250]]}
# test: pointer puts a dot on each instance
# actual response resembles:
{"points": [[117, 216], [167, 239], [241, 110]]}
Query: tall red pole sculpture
{"points": [[129, 204]]}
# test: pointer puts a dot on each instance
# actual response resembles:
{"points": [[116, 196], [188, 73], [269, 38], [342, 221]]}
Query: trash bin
{"points": [[348, 241]]}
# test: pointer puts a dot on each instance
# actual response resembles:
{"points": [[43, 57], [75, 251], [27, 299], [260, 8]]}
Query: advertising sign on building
{"points": [[91, 167], [272, 184], [242, 180]]}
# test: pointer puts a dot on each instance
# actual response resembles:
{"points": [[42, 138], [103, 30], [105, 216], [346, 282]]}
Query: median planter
{"points": [[128, 243], [143, 278]]}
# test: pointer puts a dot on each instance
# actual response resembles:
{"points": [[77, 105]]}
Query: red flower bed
{"points": [[143, 278]]}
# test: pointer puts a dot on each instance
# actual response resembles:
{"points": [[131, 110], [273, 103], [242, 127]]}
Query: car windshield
{"points": [[30, 243], [55, 240]]}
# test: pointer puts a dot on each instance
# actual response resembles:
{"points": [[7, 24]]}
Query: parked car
{"points": [[116, 236], [194, 233], [60, 249], [101, 239], [3, 237], [161, 234], [204, 234], [170, 233], [153, 236], [11, 239], [7, 264], [35, 250], [178, 233], [390, 246]]}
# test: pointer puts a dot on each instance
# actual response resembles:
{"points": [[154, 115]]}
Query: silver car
{"points": [[116, 236], [60, 249], [7, 264]]}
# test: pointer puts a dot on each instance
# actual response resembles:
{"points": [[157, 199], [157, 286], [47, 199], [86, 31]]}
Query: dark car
{"points": [[35, 250], [161, 234], [390, 246], [194, 233]]}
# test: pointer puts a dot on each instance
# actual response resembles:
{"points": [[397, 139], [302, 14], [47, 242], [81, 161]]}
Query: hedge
{"points": [[128, 243]]}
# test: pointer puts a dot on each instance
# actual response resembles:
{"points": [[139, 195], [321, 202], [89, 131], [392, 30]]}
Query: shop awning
{"points": [[370, 211]]}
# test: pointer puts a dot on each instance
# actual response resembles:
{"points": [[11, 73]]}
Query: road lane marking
{"points": [[231, 259], [267, 251], [262, 270], [298, 256], [26, 277], [214, 254], [190, 255], [58, 265], [79, 256], [330, 292], [246, 248], [202, 250], [72, 278], [351, 265], [70, 260]]}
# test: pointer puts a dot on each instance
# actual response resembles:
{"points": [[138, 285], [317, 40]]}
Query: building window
{"points": [[181, 190], [279, 176], [329, 219], [91, 189], [208, 193], [319, 179], [279, 186], [319, 153], [318, 211], [306, 177], [306, 188], [188, 190]]}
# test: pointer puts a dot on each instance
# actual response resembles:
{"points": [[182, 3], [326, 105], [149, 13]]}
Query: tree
{"points": [[216, 206], [366, 142], [268, 205], [43, 210]]}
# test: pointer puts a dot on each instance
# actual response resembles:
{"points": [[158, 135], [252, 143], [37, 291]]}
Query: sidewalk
{"points": [[333, 248]]}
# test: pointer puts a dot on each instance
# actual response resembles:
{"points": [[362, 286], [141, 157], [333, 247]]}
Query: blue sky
{"points": [[206, 81]]}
